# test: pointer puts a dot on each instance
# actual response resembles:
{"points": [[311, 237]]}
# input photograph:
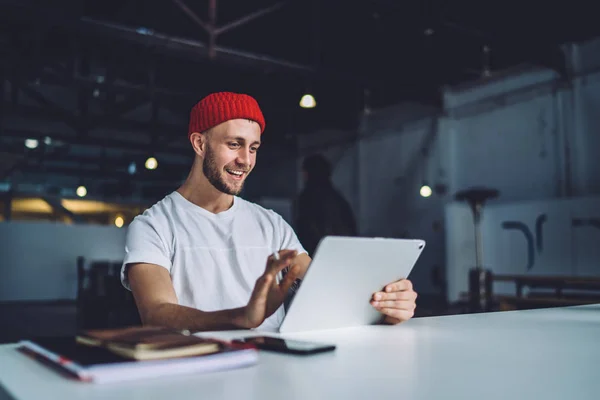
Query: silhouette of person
{"points": [[320, 208]]}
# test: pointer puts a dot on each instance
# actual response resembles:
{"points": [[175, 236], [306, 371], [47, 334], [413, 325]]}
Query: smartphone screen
{"points": [[287, 346]]}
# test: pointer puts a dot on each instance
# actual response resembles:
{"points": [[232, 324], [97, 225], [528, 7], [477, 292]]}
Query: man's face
{"points": [[230, 154]]}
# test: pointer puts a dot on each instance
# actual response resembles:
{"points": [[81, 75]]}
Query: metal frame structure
{"points": [[36, 86], [105, 93]]}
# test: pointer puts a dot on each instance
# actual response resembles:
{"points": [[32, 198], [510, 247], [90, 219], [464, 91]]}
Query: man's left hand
{"points": [[397, 301]]}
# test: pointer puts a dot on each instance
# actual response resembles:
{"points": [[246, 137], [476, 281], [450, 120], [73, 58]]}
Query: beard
{"points": [[215, 176]]}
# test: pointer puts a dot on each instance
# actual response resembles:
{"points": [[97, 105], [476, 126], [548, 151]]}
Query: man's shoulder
{"points": [[158, 213]]}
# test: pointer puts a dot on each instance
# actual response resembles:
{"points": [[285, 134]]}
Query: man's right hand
{"points": [[268, 295]]}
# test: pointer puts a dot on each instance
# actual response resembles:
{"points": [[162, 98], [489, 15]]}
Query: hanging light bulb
{"points": [[31, 143], [81, 191], [151, 163], [425, 190], [132, 168], [119, 221], [308, 101]]}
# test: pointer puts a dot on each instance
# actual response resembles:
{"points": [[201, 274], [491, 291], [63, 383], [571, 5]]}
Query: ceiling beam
{"points": [[98, 174], [169, 44], [96, 142], [99, 121]]}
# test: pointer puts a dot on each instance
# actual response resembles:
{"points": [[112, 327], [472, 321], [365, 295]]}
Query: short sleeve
{"points": [[144, 244], [289, 239]]}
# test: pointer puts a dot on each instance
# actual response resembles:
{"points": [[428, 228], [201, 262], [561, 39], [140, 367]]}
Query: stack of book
{"points": [[113, 355]]}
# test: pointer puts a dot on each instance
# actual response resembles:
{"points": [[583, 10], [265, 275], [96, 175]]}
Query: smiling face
{"points": [[230, 154]]}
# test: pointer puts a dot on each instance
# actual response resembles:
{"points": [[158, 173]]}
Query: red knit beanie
{"points": [[219, 107]]}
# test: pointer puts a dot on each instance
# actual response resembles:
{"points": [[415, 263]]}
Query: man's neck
{"points": [[199, 191]]}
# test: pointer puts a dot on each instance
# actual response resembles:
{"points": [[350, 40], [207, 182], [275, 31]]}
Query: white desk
{"points": [[538, 354]]}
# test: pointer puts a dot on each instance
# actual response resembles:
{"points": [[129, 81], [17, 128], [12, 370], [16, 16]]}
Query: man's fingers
{"points": [[405, 295], [285, 258], [396, 301], [397, 304], [391, 321], [402, 315], [281, 254], [289, 278], [403, 284]]}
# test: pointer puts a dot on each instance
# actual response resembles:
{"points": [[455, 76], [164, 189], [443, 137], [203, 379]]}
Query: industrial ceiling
{"points": [[100, 86]]}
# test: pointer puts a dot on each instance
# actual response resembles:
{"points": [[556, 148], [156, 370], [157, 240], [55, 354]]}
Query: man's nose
{"points": [[244, 157]]}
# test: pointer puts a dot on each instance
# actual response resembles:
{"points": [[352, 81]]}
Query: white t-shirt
{"points": [[214, 259]]}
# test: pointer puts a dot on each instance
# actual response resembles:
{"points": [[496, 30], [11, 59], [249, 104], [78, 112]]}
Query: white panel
{"points": [[557, 248], [460, 248], [589, 103], [388, 180], [494, 149], [528, 76], [38, 261], [548, 253], [585, 236], [380, 171]]}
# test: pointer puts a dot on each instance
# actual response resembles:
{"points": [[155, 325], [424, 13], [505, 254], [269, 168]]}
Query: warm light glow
{"points": [[308, 101], [425, 191], [83, 207], [81, 191], [90, 206], [31, 206], [31, 143], [119, 221], [151, 163]]}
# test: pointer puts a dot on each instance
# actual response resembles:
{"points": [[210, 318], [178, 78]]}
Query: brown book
{"points": [[148, 343]]}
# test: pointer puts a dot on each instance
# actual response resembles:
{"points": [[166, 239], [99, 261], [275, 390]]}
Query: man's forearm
{"points": [[181, 317]]}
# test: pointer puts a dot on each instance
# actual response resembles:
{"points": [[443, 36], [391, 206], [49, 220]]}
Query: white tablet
{"points": [[342, 277]]}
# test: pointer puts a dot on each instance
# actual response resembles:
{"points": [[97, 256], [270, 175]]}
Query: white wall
{"points": [[585, 64], [536, 140], [38, 260], [587, 98], [460, 248], [514, 149], [563, 242]]}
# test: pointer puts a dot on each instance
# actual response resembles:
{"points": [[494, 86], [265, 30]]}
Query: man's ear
{"points": [[198, 141]]}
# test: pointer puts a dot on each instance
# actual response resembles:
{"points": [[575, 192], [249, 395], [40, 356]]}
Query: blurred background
{"points": [[471, 125]]}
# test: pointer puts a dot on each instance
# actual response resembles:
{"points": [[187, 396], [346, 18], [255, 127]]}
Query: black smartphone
{"points": [[286, 345]]}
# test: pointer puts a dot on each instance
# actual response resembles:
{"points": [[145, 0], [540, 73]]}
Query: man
{"points": [[196, 259], [321, 210]]}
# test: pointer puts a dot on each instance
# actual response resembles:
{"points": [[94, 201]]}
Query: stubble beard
{"points": [[215, 177]]}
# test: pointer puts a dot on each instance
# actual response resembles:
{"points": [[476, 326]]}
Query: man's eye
{"points": [[254, 149], [234, 144]]}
